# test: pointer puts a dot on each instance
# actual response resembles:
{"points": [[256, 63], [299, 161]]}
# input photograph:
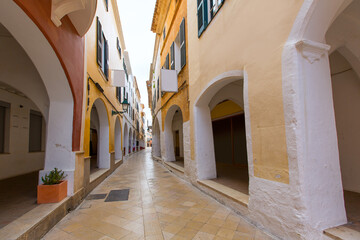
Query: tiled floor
{"points": [[17, 197], [233, 177], [160, 206]]}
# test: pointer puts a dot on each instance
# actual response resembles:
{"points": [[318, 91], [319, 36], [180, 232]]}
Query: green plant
{"points": [[54, 177]]}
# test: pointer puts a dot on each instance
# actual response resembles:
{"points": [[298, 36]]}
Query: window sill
{"points": [[237, 196]]}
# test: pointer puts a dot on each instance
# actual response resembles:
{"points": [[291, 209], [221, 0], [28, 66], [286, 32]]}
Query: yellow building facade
{"points": [[103, 128]]}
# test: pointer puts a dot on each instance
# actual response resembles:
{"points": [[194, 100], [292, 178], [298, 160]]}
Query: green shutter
{"points": [[202, 15], [106, 59], [99, 43], [172, 52], [182, 44]]}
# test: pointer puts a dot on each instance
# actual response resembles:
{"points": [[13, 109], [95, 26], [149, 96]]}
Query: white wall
{"points": [[346, 94], [19, 160]]}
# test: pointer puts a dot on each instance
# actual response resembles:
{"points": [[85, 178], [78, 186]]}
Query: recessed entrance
{"points": [[228, 124], [99, 138], [346, 95], [173, 131]]}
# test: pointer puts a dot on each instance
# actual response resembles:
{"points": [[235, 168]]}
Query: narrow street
{"points": [[160, 206]]}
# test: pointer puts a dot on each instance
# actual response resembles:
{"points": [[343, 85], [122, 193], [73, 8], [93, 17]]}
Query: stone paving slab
{"points": [[160, 206]]}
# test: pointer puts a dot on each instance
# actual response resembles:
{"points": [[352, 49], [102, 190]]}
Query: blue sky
{"points": [[136, 18]]}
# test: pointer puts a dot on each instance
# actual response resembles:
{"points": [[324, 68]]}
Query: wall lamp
{"points": [[125, 105]]}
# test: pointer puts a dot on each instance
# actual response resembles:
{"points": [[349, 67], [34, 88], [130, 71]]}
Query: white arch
{"points": [[130, 141], [204, 142], [309, 118], [168, 133], [117, 140], [103, 154], [126, 139], [58, 151], [156, 145]]}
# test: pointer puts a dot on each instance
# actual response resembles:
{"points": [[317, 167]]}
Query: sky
{"points": [[136, 18]]}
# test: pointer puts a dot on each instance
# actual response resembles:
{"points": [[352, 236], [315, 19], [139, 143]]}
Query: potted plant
{"points": [[54, 187]]}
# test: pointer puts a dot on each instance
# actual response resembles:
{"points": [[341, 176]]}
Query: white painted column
{"points": [[319, 168]]}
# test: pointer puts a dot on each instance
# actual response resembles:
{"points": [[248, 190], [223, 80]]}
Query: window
{"points": [[206, 11], [172, 52], [118, 94], [125, 69], [4, 126], [102, 53], [182, 43], [118, 46], [202, 17], [214, 6], [167, 62], [158, 87], [107, 5], [35, 131], [164, 33]]}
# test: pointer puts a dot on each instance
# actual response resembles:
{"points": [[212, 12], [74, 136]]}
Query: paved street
{"points": [[160, 206]]}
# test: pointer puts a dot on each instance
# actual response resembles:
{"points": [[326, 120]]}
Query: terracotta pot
{"points": [[51, 193]]}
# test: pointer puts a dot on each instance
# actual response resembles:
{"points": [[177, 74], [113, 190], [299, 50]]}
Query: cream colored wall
{"points": [[248, 35]]}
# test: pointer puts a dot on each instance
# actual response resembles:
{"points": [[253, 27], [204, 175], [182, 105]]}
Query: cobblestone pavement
{"points": [[160, 206]]}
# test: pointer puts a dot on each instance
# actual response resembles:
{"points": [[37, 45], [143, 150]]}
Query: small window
{"points": [[164, 33], [102, 53], [158, 87], [182, 43], [35, 131], [167, 62], [202, 17], [172, 52], [118, 94]]}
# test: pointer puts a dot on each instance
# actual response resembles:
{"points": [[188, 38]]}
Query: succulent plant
{"points": [[54, 177]]}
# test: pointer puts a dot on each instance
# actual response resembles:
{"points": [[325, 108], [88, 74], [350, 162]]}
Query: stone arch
{"points": [[204, 143], [126, 139], [156, 143], [309, 115], [118, 139], [168, 132], [99, 110], [58, 112], [130, 140]]}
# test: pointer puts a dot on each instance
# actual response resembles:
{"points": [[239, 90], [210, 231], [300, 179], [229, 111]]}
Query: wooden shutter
{"points": [[172, 52], [106, 59], [99, 43], [182, 43], [202, 15]]}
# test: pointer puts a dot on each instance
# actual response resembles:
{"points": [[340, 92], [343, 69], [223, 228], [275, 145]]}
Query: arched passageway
{"points": [[126, 140], [173, 133], [221, 134], [99, 137], [130, 141], [156, 145], [36, 119], [344, 36], [118, 140], [313, 87]]}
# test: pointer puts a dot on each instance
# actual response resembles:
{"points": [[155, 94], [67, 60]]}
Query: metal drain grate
{"points": [[118, 195], [96, 196]]}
